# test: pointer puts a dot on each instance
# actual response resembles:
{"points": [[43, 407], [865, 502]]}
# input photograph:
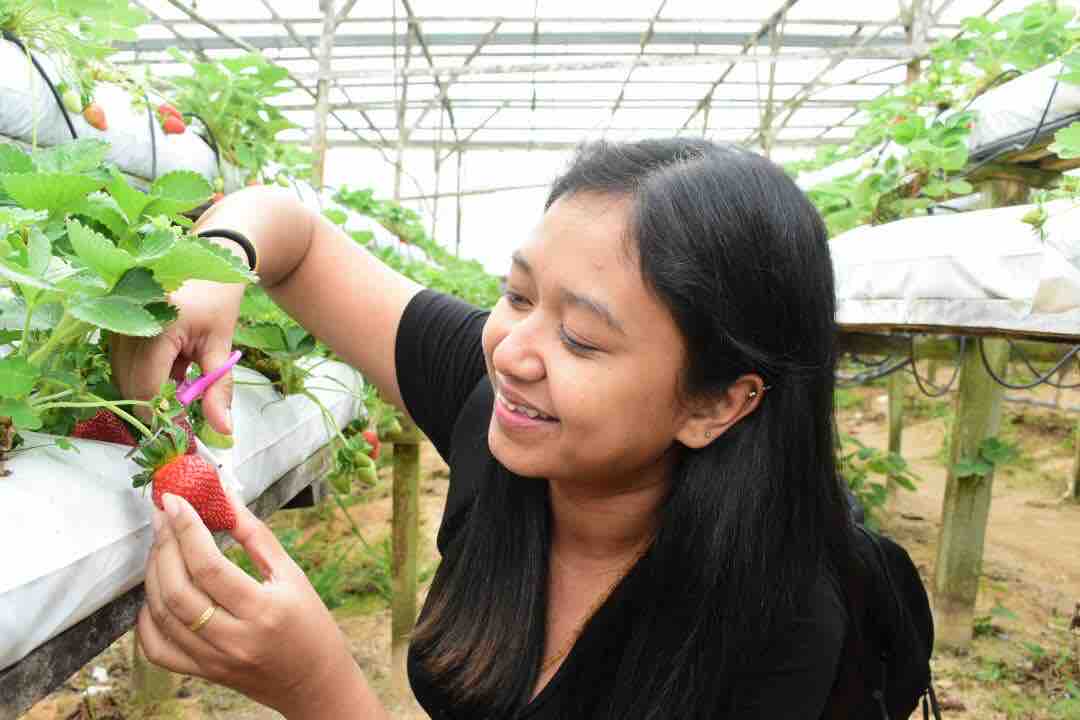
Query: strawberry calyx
{"points": [[170, 443]]}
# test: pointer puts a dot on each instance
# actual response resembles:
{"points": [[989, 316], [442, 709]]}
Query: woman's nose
{"points": [[517, 354]]}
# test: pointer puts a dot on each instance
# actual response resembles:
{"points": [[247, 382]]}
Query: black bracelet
{"points": [[238, 238]]}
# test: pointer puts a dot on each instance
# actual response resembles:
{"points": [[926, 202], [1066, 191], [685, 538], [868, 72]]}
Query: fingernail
{"points": [[172, 505]]}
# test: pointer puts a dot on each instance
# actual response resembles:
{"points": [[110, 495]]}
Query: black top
{"points": [[444, 385]]}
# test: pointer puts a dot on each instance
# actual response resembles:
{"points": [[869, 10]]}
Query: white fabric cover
{"points": [[24, 97], [980, 269], [76, 534], [1017, 105]]}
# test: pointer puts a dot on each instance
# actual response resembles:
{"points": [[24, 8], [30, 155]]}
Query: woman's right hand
{"points": [[274, 640]]}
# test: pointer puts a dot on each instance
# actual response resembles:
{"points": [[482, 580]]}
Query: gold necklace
{"points": [[623, 571]]}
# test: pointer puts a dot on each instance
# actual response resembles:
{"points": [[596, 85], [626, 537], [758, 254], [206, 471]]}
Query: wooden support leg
{"points": [[404, 544], [896, 426], [150, 684], [1074, 481], [967, 499]]}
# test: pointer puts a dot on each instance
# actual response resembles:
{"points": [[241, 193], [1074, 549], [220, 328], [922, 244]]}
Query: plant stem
{"points": [[68, 328], [113, 405], [24, 345], [47, 398]]}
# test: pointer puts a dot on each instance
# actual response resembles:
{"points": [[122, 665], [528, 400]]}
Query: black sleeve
{"points": [[439, 361], [802, 663]]}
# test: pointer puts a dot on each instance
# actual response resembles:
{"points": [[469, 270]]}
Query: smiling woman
{"points": [[644, 518]]}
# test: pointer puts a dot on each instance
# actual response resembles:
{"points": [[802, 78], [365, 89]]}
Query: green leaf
{"points": [[119, 315], [968, 467], [20, 277], [299, 340], [98, 252], [139, 286], [20, 413], [17, 377], [177, 192], [336, 216], [103, 208], [130, 200], [1003, 612], [78, 156], [16, 218], [1066, 143], [14, 160], [263, 336], [997, 452], [156, 244], [49, 191], [198, 259], [935, 189], [39, 252], [961, 187], [163, 312]]}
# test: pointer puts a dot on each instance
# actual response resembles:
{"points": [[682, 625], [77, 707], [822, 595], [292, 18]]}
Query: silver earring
{"points": [[753, 393], [708, 434]]}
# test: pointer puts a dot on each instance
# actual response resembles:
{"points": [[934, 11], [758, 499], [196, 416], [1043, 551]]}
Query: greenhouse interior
{"points": [[536, 359]]}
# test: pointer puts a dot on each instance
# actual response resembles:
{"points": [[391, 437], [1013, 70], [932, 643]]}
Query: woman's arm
{"points": [[335, 288]]}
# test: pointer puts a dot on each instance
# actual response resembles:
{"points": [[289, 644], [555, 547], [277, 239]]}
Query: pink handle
{"points": [[189, 390]]}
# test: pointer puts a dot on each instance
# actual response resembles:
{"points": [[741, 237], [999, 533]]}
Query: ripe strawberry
{"points": [[166, 109], [173, 125], [95, 115], [190, 476], [373, 441], [104, 426]]}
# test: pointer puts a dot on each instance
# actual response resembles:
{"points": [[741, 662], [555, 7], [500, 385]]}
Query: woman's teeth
{"points": [[525, 410]]}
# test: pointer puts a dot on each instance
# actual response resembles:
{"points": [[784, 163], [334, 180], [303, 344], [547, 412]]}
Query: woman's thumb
{"points": [[258, 541]]}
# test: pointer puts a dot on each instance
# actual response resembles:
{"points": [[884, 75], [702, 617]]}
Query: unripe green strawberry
{"points": [[212, 438], [72, 101], [340, 482], [367, 476], [95, 115], [104, 426]]}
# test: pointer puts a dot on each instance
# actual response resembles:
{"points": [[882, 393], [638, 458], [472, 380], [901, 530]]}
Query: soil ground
{"points": [[1022, 665]]}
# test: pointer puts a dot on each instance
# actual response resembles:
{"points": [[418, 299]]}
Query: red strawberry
{"points": [[106, 427], [218, 197], [173, 125], [189, 476], [373, 441], [166, 109], [95, 115]]}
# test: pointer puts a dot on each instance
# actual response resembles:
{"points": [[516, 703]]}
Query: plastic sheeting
{"points": [[76, 534], [981, 269], [25, 99]]}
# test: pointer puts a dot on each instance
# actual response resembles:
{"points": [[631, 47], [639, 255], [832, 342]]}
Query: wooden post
{"points": [[322, 99], [404, 545], [896, 424], [967, 498], [150, 684], [1074, 482]]}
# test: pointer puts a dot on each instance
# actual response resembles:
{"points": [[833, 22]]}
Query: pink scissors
{"points": [[190, 390]]}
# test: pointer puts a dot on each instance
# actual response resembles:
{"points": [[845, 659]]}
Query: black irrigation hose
{"points": [[1016, 147], [210, 136], [869, 363], [1035, 372], [860, 378], [952, 380], [48, 81], [1040, 380]]}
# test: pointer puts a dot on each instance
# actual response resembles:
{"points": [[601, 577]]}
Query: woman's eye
{"points": [[573, 345], [515, 300]]}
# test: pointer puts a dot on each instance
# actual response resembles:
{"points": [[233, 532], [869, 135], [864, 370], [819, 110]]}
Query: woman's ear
{"points": [[709, 418]]}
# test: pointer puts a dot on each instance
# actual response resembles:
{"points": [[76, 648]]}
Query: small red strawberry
{"points": [[104, 426], [191, 477], [218, 197], [95, 115], [173, 125], [373, 441], [166, 109]]}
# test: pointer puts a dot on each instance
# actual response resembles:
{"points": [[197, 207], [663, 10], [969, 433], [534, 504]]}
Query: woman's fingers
{"points": [[161, 651], [196, 556], [217, 401], [260, 543], [141, 365]]}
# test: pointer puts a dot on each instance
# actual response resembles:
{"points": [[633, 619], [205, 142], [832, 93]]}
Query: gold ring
{"points": [[203, 619]]}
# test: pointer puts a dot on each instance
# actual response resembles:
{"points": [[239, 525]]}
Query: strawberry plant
{"points": [[83, 256]]}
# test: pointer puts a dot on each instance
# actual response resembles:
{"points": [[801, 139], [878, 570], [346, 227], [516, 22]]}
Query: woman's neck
{"points": [[592, 529]]}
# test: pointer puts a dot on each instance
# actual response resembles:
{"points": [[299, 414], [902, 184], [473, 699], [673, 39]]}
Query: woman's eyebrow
{"points": [[570, 297], [594, 306]]}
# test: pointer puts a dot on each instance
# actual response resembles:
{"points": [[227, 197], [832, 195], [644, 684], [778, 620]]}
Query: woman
{"points": [[644, 518]]}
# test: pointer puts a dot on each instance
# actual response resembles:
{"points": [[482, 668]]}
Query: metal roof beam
{"points": [[550, 144], [645, 38], [564, 39], [445, 90]]}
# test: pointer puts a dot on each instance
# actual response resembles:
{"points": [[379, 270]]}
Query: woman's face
{"points": [[584, 360]]}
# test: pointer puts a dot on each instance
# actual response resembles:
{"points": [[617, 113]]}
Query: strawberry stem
{"points": [[113, 405]]}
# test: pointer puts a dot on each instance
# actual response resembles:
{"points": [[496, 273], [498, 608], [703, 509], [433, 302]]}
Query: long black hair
{"points": [[738, 255]]}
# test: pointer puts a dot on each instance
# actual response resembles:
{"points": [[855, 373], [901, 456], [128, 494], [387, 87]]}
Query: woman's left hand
{"points": [[274, 641]]}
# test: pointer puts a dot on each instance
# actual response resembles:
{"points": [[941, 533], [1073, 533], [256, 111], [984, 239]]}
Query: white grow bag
{"points": [[75, 534], [25, 98], [982, 269]]}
